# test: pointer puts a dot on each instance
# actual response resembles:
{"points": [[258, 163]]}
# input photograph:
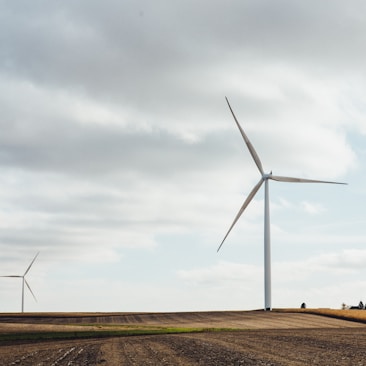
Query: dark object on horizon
{"points": [[303, 306], [359, 307]]}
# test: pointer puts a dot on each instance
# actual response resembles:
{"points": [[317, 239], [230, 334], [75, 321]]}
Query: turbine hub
{"points": [[267, 176]]}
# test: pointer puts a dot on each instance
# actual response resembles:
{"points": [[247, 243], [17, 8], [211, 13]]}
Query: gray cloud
{"points": [[91, 149], [133, 50]]}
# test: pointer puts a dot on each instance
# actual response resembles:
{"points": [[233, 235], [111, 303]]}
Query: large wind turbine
{"points": [[24, 281], [265, 177]]}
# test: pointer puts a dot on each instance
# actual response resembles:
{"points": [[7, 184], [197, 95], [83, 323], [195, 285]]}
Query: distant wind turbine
{"points": [[24, 281], [265, 177]]}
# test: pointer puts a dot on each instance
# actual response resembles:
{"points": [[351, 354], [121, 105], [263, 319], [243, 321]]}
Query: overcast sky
{"points": [[121, 163]]}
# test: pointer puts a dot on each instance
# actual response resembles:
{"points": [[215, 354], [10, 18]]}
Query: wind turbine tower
{"points": [[265, 178]]}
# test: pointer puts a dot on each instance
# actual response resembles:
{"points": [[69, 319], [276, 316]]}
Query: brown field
{"points": [[282, 337]]}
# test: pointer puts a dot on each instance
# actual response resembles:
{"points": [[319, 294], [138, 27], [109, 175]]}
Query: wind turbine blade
{"points": [[248, 143], [30, 289], [13, 276], [243, 207], [299, 180], [31, 264]]}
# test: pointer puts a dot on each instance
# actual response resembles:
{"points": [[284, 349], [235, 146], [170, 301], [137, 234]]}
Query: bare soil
{"points": [[264, 338]]}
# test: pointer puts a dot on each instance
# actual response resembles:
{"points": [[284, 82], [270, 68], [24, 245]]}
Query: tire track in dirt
{"points": [[50, 354], [132, 351], [243, 349], [200, 350]]}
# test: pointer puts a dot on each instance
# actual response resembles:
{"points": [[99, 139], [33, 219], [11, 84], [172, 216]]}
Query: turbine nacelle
{"points": [[267, 176]]}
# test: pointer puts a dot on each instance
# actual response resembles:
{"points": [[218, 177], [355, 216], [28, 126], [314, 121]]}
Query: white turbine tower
{"points": [[265, 177], [24, 281]]}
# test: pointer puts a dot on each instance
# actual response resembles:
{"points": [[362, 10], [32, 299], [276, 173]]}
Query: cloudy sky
{"points": [[121, 163]]}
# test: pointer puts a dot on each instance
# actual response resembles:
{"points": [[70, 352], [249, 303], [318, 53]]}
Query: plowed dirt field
{"points": [[260, 338]]}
